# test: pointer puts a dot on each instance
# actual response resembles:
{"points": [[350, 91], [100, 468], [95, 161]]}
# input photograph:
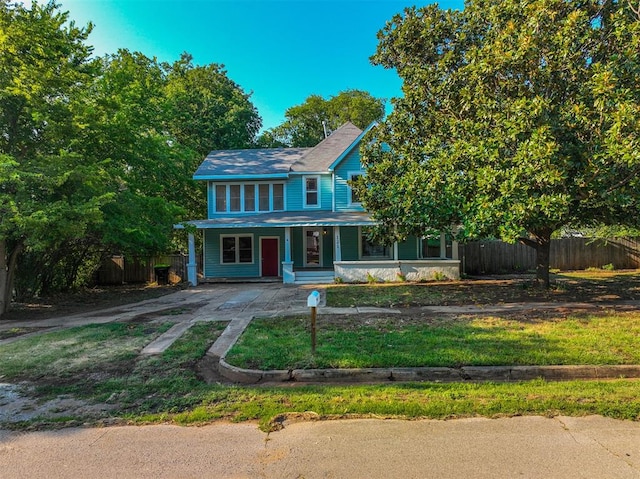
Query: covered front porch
{"points": [[320, 247]]}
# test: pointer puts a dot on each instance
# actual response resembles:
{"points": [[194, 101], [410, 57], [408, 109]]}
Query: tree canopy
{"points": [[304, 123], [97, 154], [518, 118]]}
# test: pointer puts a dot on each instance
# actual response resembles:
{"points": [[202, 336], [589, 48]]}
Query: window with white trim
{"points": [[311, 191], [353, 197], [236, 249]]}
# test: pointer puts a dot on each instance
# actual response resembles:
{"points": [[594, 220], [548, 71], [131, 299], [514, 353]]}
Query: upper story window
{"points": [[311, 191], [353, 196], [249, 197]]}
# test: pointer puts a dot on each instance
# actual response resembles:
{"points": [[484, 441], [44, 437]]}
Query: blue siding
{"points": [[351, 163], [295, 193], [214, 269]]}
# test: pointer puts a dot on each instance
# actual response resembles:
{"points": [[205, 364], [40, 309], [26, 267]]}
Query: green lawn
{"points": [[100, 363], [592, 286], [399, 341]]}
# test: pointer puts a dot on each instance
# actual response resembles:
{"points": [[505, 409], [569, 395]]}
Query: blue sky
{"points": [[280, 50]]}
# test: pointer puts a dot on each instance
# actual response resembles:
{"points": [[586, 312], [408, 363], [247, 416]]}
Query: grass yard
{"points": [[100, 364], [591, 286], [370, 341]]}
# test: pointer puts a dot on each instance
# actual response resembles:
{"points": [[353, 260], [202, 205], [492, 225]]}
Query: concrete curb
{"points": [[434, 374]]}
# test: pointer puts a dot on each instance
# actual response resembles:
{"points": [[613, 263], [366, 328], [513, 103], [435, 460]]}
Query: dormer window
{"points": [[311, 191]]}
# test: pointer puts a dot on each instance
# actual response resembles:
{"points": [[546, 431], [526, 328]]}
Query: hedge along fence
{"points": [[120, 270], [494, 257]]}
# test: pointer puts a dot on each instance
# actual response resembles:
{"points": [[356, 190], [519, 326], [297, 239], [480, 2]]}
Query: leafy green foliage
{"points": [[303, 125], [518, 118], [96, 155]]}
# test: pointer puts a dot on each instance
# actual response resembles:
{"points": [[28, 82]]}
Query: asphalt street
{"points": [[527, 447]]}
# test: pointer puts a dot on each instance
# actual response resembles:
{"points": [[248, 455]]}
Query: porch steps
{"points": [[314, 277]]}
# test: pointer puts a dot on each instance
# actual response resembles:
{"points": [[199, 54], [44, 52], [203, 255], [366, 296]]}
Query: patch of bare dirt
{"points": [[86, 300]]}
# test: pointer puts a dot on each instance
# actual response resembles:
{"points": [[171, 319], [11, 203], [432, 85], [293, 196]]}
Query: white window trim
{"points": [[304, 191], [236, 236], [350, 175]]}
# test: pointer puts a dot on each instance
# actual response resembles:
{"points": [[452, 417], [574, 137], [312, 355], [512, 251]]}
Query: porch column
{"points": [[337, 249], [288, 276], [454, 250], [287, 244], [395, 251], [192, 266], [443, 246]]}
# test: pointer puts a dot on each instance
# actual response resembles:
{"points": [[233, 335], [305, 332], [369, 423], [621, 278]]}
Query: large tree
{"points": [[518, 117], [304, 123], [48, 193]]}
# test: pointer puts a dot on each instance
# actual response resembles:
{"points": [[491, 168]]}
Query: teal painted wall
{"points": [[297, 248], [351, 163], [294, 192], [408, 250], [212, 266], [349, 243]]}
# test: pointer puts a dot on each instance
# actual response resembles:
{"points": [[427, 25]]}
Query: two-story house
{"points": [[290, 213]]}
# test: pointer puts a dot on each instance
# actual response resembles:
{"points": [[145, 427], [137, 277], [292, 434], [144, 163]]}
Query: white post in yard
{"points": [[313, 300]]}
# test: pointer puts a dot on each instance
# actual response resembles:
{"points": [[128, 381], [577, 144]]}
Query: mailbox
{"points": [[313, 300]]}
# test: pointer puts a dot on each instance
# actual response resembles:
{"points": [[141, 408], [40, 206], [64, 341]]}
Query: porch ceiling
{"points": [[284, 219]]}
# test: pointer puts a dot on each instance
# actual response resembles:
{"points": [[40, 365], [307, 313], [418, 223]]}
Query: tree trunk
{"points": [[4, 279], [543, 249], [541, 242], [8, 262]]}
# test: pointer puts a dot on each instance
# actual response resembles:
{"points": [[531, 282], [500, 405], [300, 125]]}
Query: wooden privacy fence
{"points": [[120, 270], [495, 257]]}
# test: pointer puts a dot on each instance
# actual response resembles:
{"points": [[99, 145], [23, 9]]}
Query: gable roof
{"points": [[322, 156], [279, 162]]}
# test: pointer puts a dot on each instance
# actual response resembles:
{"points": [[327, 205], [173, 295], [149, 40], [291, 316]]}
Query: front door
{"points": [[269, 256], [313, 247]]}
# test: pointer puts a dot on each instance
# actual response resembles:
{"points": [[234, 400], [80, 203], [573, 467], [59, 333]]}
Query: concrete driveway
{"points": [[530, 447]]}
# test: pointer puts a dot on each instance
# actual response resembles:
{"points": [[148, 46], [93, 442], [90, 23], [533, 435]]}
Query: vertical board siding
{"points": [[121, 270], [495, 257]]}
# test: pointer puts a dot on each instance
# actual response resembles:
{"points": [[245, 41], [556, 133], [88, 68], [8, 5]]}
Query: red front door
{"points": [[270, 256]]}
